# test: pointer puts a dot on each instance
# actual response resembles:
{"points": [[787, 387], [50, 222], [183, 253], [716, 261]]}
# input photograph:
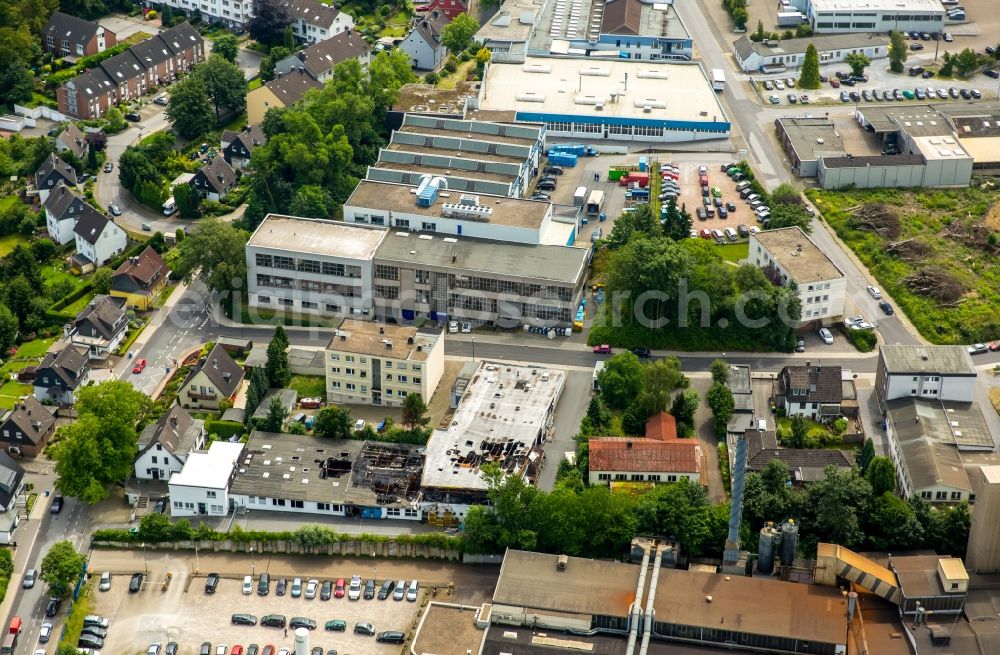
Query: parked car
{"points": [[57, 504], [540, 196], [978, 348], [247, 585], [640, 352], [603, 349], [273, 621], [553, 170], [108, 167], [886, 308], [792, 98], [45, 633], [768, 85], [135, 583], [800, 345], [370, 589], [161, 99], [236, 650], [976, 93], [386, 589], [336, 625], [339, 588], [311, 587], [916, 46], [873, 291], [400, 591], [90, 641], [826, 336], [221, 649], [264, 584], [546, 186], [95, 619], [211, 583], [362, 628], [133, 116], [244, 619], [114, 209], [774, 100], [30, 577], [105, 582], [326, 590], [95, 631], [206, 648], [354, 590], [391, 637], [844, 97], [301, 622]]}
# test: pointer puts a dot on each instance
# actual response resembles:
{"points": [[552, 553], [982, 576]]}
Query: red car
{"points": [[603, 349], [706, 234], [139, 366], [236, 650], [338, 589], [995, 345]]}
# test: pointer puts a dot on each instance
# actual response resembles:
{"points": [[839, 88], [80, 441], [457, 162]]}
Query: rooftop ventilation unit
{"points": [[652, 75], [536, 68], [586, 100], [595, 71], [468, 207], [427, 190], [530, 97], [652, 103]]}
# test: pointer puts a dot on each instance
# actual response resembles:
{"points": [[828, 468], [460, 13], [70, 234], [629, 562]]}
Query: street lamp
{"points": [[197, 562], [374, 568], [145, 563], [253, 567]]}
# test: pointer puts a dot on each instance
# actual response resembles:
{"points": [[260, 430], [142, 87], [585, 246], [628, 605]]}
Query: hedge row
{"points": [[6, 570], [223, 429], [71, 298]]}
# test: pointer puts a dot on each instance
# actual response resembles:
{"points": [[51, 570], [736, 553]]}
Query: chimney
{"points": [[227, 376], [173, 420], [215, 362]]}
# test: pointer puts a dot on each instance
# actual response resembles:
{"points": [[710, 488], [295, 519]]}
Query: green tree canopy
{"points": [[276, 415], [858, 61], [720, 400], [190, 107], [881, 475], [683, 408], [216, 251], [224, 83], [809, 75], [312, 201], [414, 411], [278, 372], [227, 46], [720, 371], [268, 22], [8, 328], [61, 567], [897, 51], [102, 280], [333, 422], [457, 35], [621, 380]]}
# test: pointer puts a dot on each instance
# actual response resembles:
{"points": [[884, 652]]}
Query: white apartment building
{"points": [[232, 13], [311, 266], [380, 364], [933, 372], [793, 257], [202, 486], [313, 21]]}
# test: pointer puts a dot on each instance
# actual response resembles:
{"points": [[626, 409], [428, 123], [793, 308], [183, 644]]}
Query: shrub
{"points": [[724, 466], [6, 570], [863, 340], [432, 78]]}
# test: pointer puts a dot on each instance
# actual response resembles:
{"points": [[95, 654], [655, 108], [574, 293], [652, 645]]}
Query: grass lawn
{"points": [[7, 243], [53, 273], [733, 252], [7, 202], [78, 306], [308, 385], [458, 76], [237, 122], [819, 436], [36, 348], [255, 83], [11, 391], [947, 240]]}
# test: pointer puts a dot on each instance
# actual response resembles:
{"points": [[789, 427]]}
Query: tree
{"points": [[216, 250], [8, 328], [598, 414], [786, 194], [312, 201], [759, 34], [268, 22], [836, 501], [676, 223], [333, 422], [720, 371], [224, 83], [457, 35], [881, 475], [620, 380], [897, 51], [16, 83], [267, 64], [966, 62], [414, 411], [255, 391], [61, 567], [227, 46], [892, 524], [288, 38], [800, 431], [720, 400], [784, 215], [684, 406], [858, 61], [280, 336], [92, 162], [659, 379], [102, 280], [631, 224], [809, 77], [190, 108], [188, 199], [679, 509], [135, 165], [276, 415], [867, 454], [278, 373], [166, 15]]}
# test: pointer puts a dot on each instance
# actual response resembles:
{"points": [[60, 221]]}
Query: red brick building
{"points": [[70, 37]]}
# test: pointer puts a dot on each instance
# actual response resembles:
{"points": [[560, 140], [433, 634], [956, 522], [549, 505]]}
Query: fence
{"points": [[347, 548], [41, 111]]}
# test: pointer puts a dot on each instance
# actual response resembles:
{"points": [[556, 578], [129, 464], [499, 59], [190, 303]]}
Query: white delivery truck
{"points": [[579, 196], [595, 202], [718, 79], [170, 206]]}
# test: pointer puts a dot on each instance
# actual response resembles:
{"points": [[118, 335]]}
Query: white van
{"points": [[170, 206], [411, 593], [731, 234], [359, 425]]}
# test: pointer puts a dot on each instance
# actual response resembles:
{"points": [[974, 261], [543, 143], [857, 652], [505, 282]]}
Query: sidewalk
{"points": [[25, 558], [159, 317]]}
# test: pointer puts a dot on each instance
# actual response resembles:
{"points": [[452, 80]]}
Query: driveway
{"points": [[705, 429], [125, 26], [249, 61], [569, 412]]}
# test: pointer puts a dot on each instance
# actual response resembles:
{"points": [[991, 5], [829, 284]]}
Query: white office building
{"points": [[930, 372], [829, 16], [232, 13], [202, 486]]}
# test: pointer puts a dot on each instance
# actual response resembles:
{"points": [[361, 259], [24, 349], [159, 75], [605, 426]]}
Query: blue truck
{"points": [[578, 149], [558, 158]]}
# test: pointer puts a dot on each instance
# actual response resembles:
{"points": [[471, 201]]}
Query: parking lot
{"points": [[186, 614], [691, 197]]}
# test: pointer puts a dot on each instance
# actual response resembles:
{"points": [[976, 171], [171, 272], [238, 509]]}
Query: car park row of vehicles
{"points": [[354, 590], [928, 93]]}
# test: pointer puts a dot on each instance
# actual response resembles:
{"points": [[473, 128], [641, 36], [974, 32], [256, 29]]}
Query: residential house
{"points": [[26, 429], [216, 377], [52, 171], [370, 363], [789, 54], [279, 92], [63, 208], [238, 147], [201, 488], [129, 74], [70, 37], [314, 21], [100, 327], [932, 372], [232, 14], [447, 8], [73, 140], [215, 179], [789, 255], [319, 59], [804, 464], [165, 445], [12, 496], [140, 279], [814, 392], [98, 239], [659, 457], [423, 43], [60, 374]]}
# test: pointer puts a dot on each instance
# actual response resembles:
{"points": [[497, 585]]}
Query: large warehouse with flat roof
{"points": [[607, 99]]}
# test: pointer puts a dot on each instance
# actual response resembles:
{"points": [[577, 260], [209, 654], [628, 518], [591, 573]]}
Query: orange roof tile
{"points": [[639, 455]]}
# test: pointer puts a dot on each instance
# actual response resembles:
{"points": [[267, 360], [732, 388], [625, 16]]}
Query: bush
{"points": [[223, 429], [724, 466], [6, 570], [432, 78], [863, 340]]}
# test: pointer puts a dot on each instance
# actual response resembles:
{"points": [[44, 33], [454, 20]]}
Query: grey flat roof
{"points": [[559, 264], [805, 135], [822, 43], [302, 467], [586, 586], [940, 360], [486, 138], [316, 236], [456, 153], [444, 171], [851, 161], [402, 197], [797, 254], [931, 459]]}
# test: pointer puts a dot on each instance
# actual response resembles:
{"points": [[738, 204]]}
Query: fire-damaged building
{"points": [[299, 473], [503, 417]]}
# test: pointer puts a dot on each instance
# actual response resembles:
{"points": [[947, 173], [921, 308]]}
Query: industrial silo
{"points": [[769, 538], [301, 641], [789, 542]]}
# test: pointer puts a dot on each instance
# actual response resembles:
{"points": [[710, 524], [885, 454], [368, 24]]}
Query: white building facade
{"points": [[231, 13], [201, 488], [943, 373], [831, 16]]}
